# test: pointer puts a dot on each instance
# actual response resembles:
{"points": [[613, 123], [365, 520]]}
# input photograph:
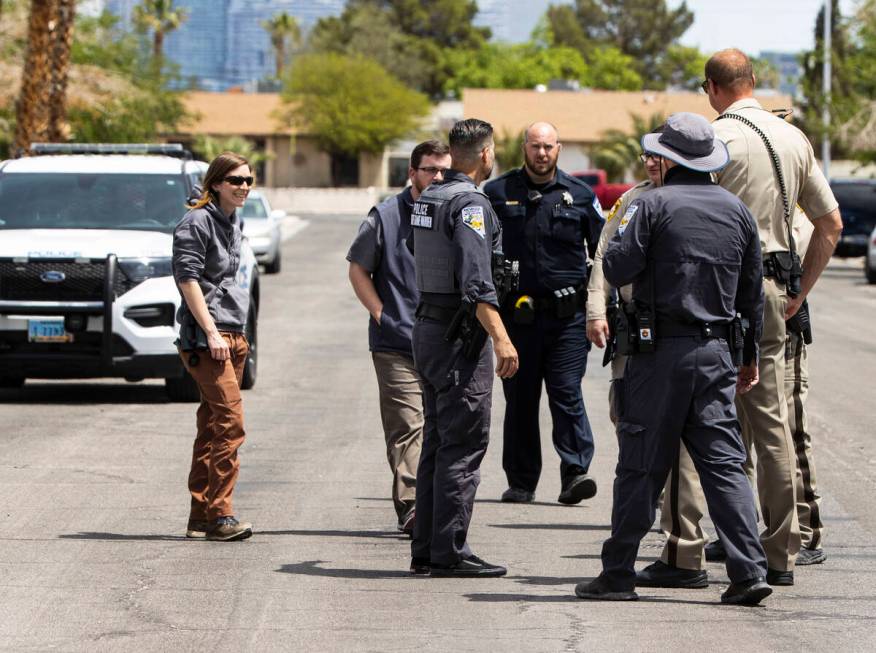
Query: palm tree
{"points": [[161, 18], [32, 110], [65, 15], [618, 151], [282, 28]]}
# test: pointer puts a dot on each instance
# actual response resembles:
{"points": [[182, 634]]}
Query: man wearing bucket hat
{"points": [[691, 251]]}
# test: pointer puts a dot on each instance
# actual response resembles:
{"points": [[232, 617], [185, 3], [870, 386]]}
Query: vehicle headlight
{"points": [[139, 269]]}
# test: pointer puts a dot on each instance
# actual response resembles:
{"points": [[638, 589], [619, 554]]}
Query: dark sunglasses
{"points": [[238, 180], [705, 86], [644, 156]]}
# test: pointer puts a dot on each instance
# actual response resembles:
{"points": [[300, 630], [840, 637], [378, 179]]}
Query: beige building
{"points": [[295, 159], [582, 117]]}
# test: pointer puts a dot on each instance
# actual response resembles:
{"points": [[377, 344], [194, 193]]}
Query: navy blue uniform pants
{"points": [[554, 352], [457, 396], [684, 391]]}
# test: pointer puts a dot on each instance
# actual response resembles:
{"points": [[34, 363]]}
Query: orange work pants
{"points": [[220, 429]]}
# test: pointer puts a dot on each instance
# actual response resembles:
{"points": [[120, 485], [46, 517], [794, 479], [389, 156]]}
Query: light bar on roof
{"points": [[167, 149]]}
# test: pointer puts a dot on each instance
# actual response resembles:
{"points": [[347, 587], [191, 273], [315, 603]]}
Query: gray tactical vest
{"points": [[433, 237]]}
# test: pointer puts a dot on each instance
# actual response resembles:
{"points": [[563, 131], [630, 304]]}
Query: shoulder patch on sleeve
{"points": [[473, 218], [614, 209], [597, 206], [629, 215]]}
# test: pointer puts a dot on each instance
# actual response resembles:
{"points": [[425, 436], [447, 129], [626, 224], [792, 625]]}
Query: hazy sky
{"points": [[752, 25], [755, 25]]}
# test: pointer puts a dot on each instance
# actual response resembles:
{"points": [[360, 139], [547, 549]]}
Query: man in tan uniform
{"points": [[752, 176]]}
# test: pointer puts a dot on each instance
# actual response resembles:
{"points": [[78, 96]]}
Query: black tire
{"points": [[274, 266], [182, 388], [251, 367], [869, 272], [13, 382]]}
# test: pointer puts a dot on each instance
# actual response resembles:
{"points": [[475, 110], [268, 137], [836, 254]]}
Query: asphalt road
{"points": [[93, 506]]}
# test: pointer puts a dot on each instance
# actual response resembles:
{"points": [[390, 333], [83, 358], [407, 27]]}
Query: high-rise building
{"points": [[223, 43]]}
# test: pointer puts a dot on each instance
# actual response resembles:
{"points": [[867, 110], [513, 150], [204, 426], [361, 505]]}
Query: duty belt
{"points": [[435, 312], [549, 302], [771, 267], [672, 329]]}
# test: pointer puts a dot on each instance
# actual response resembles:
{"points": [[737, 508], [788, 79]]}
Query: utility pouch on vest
{"points": [[524, 310], [800, 323]]}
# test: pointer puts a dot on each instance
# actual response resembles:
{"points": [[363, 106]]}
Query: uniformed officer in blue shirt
{"points": [[551, 223], [692, 252], [455, 234]]}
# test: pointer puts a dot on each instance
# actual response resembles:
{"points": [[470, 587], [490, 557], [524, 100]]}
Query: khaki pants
{"points": [[797, 388], [220, 429], [401, 411], [763, 413]]}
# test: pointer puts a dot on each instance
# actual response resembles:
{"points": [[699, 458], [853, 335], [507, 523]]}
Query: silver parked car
{"points": [[261, 226]]}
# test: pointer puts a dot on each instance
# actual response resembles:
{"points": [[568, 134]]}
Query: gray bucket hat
{"points": [[689, 140]]}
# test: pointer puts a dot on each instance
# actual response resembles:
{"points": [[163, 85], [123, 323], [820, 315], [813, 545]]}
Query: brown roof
{"points": [[582, 116], [234, 114]]}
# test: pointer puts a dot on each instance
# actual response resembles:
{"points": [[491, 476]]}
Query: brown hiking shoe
{"points": [[228, 529], [197, 529]]}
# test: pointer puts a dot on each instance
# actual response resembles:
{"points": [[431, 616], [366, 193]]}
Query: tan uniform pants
{"points": [[401, 411], [763, 413], [220, 429]]}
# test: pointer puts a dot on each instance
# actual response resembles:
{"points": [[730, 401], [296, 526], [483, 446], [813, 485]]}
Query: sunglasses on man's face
{"points": [[238, 180]]}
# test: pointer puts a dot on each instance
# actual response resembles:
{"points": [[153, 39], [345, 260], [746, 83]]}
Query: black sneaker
{"points": [[197, 529], [811, 557], [421, 566], [715, 551], [517, 495], [659, 574], [471, 566], [228, 529], [599, 590], [576, 489], [748, 592], [778, 578]]}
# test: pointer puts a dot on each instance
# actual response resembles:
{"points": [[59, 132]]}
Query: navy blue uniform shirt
{"points": [[551, 229], [695, 248]]}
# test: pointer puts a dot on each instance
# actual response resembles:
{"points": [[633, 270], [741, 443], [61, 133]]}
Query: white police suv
{"points": [[86, 289]]}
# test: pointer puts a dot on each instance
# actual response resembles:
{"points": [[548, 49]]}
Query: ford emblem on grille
{"points": [[52, 276]]}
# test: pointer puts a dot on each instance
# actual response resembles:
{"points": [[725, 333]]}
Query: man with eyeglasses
{"points": [[382, 275], [551, 223], [768, 428]]}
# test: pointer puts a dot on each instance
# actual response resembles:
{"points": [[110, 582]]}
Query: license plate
{"points": [[47, 331]]}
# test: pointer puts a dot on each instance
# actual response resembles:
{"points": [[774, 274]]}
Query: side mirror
{"points": [[278, 214]]}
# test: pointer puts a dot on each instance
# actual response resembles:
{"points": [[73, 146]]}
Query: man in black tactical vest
{"points": [[455, 234]]}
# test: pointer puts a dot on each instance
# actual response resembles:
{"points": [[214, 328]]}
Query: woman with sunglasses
{"points": [[212, 317]]}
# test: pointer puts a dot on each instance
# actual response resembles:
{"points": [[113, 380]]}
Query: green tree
{"points": [[209, 147], [140, 107], [350, 104], [619, 151], [846, 99], [160, 18], [409, 39], [284, 30], [641, 29]]}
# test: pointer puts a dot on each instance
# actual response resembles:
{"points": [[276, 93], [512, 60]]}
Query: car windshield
{"points": [[254, 208], [145, 202]]}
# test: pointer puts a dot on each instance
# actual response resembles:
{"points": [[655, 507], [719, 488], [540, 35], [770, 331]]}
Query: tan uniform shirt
{"points": [[751, 177], [598, 288]]}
